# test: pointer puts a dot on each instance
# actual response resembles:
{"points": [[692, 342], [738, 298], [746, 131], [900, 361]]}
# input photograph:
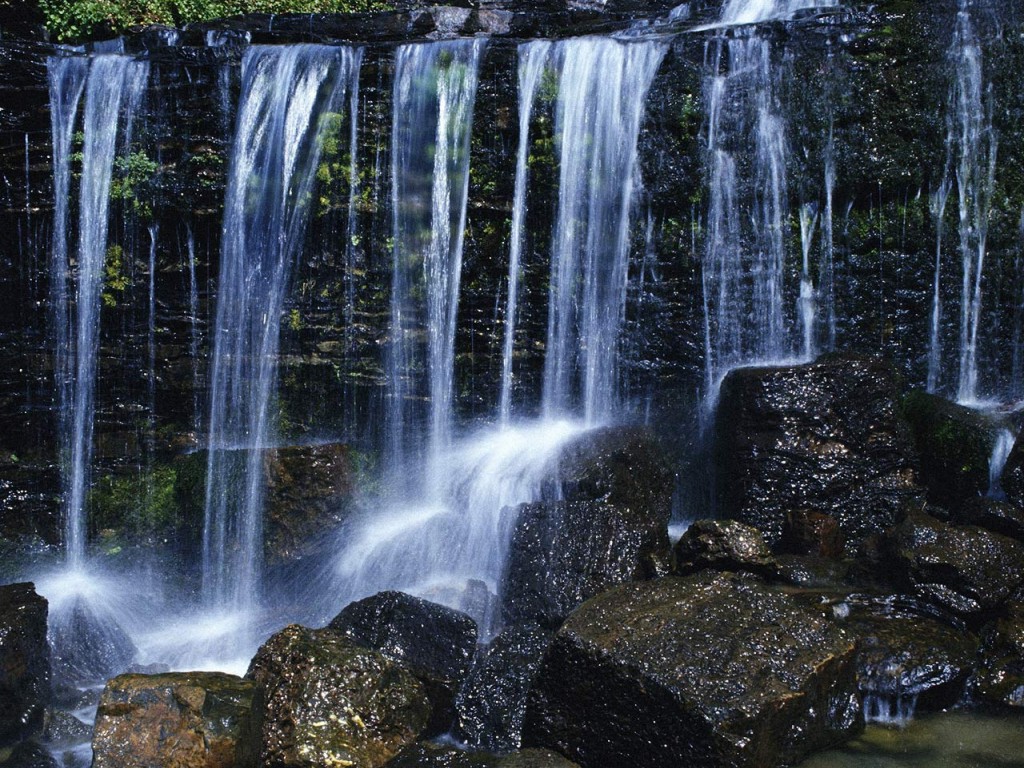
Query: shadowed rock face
{"points": [[825, 437], [434, 642], [609, 526], [723, 545], [999, 678], [709, 670], [435, 756], [24, 662], [194, 719], [328, 701], [966, 570]]}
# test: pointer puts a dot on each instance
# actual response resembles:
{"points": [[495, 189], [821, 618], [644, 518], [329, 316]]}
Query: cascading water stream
{"points": [[275, 154], [938, 206], [112, 86], [1001, 449], [532, 59], [430, 185], [602, 89], [807, 303]]}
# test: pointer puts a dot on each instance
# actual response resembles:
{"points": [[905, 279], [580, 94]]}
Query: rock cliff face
{"points": [[871, 76]]}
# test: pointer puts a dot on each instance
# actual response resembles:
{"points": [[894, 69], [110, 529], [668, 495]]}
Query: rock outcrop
{"points": [[24, 662]]}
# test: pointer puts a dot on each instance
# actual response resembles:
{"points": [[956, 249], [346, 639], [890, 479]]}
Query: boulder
{"points": [[89, 645], [723, 545], [188, 719], [565, 552], [907, 662], [427, 755], [492, 702], [328, 701], [999, 677], [28, 754], [954, 445], [967, 570], [710, 670], [996, 516], [826, 437], [807, 532], [24, 662], [434, 642]]}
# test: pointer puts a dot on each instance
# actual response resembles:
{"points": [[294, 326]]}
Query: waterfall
{"points": [[938, 206], [974, 143], [112, 85], [603, 85], [275, 155], [532, 59], [807, 303], [434, 96], [736, 12], [997, 462], [745, 249], [827, 270]]}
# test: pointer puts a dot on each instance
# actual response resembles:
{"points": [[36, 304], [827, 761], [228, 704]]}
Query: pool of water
{"points": [[948, 740]]}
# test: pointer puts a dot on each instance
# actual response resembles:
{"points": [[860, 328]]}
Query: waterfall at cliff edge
{"points": [[445, 535], [274, 157]]}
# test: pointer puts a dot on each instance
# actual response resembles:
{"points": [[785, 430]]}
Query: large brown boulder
{"points": [[186, 720], [826, 437], [329, 701], [24, 662], [434, 642], [709, 670]]}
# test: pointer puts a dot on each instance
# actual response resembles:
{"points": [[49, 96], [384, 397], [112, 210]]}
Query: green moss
{"points": [[77, 19], [135, 505]]}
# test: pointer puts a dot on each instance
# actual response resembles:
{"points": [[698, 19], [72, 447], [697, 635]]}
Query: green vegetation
{"points": [[136, 505], [77, 19], [132, 174], [115, 280]]}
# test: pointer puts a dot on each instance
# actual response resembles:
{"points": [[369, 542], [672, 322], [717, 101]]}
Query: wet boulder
{"points": [[807, 532], [89, 644], [563, 553], [187, 719], [906, 660], [826, 437], [999, 678], [492, 703], [432, 641], [723, 545], [954, 445], [29, 754], [967, 570], [993, 515], [710, 670], [1012, 480], [328, 701], [426, 755], [24, 662]]}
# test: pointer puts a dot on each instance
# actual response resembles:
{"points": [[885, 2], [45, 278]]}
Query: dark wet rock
{"points": [[825, 437], [1012, 481], [565, 552], [88, 647], [24, 662], [428, 755], [492, 703], [617, 465], [63, 729], [309, 493], [996, 516], [954, 445], [967, 570], [723, 545], [188, 719], [709, 670], [807, 532], [810, 572], [29, 754], [434, 642], [912, 660], [999, 678], [328, 701]]}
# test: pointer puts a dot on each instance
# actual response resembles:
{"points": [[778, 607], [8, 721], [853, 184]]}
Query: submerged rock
{"points": [[328, 701], [967, 570], [434, 642], [492, 703], [825, 437], [186, 719], [565, 552], [723, 545], [24, 662], [954, 444], [999, 678], [428, 755], [709, 670]]}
